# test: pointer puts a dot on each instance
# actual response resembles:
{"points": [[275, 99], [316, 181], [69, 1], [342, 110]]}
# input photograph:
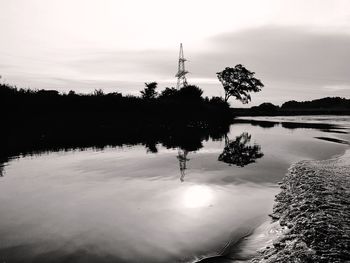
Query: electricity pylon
{"points": [[181, 73]]}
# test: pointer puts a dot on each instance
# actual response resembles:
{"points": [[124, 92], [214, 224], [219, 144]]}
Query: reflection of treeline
{"points": [[335, 105], [36, 137], [325, 127]]}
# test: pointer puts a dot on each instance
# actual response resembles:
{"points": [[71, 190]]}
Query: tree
{"points": [[238, 82], [71, 93], [219, 102], [186, 93], [190, 93], [98, 92], [150, 91], [266, 107], [168, 93]]}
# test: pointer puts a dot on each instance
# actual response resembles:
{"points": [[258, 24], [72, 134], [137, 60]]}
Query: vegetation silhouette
{"points": [[239, 152], [168, 93], [168, 106], [324, 103], [150, 91], [238, 82], [329, 105]]}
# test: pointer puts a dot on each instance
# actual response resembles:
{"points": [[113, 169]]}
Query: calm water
{"points": [[127, 204]]}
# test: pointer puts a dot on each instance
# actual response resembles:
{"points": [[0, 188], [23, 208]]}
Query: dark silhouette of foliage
{"points": [[324, 103], [183, 105], [239, 152], [190, 93], [168, 93], [266, 108], [238, 82], [71, 93], [329, 105], [114, 94], [218, 101], [98, 92], [48, 93], [150, 91]]}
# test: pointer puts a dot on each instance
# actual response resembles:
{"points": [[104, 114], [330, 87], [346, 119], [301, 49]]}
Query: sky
{"points": [[299, 49]]}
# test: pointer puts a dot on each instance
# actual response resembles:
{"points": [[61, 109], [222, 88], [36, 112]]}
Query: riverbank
{"points": [[313, 211]]}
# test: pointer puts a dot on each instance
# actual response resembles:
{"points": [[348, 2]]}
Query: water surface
{"points": [[133, 204]]}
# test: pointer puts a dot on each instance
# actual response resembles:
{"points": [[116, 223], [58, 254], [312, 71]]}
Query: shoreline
{"points": [[313, 212]]}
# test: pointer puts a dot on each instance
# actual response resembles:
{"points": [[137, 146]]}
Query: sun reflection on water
{"points": [[198, 196]]}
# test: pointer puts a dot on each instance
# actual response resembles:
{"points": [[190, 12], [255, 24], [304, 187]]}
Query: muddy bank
{"points": [[313, 210]]}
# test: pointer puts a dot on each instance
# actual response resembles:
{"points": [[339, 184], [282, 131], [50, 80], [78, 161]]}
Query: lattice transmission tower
{"points": [[181, 72]]}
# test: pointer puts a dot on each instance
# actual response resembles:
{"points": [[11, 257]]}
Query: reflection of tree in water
{"points": [[2, 169], [3, 163], [186, 141], [239, 152], [151, 147], [190, 140], [182, 157]]}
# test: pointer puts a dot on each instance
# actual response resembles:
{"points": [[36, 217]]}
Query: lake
{"points": [[156, 203]]}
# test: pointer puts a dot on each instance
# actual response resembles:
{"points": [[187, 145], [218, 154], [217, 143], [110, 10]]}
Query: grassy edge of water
{"points": [[313, 211]]}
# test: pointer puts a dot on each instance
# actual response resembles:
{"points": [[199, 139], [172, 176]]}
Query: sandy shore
{"points": [[313, 210]]}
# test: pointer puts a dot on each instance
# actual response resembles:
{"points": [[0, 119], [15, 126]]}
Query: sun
{"points": [[198, 196]]}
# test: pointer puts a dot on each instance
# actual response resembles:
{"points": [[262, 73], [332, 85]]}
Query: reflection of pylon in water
{"points": [[182, 157], [181, 72]]}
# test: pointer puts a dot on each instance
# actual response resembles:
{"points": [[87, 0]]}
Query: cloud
{"points": [[292, 55], [126, 65], [288, 54], [338, 87], [293, 62]]}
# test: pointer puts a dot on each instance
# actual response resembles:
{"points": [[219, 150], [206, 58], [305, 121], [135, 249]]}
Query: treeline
{"points": [[333, 105], [42, 119], [186, 104]]}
